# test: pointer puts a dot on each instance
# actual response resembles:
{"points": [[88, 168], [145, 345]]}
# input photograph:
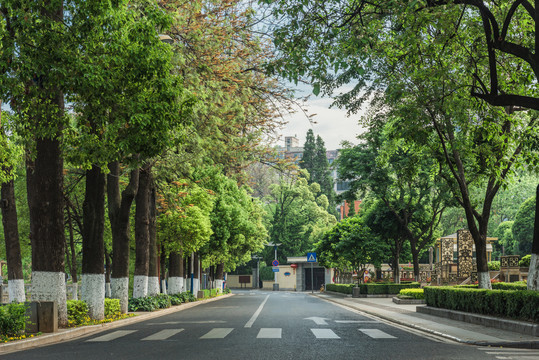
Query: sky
{"points": [[333, 125]]}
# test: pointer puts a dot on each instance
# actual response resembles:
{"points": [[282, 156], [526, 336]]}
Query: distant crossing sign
{"points": [[311, 257]]}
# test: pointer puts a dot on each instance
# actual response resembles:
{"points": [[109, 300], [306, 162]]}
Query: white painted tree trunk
{"points": [[533, 273], [175, 285], [16, 290], [153, 285], [107, 290], [93, 294], [164, 287], [75, 291], [120, 290], [51, 286], [140, 286], [196, 286], [219, 286], [483, 279]]}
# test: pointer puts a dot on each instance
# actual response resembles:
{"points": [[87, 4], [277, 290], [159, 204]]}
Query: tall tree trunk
{"points": [[175, 273], [107, 274], [220, 276], [119, 214], [11, 237], [163, 270], [46, 208], [142, 234], [93, 248], [533, 273], [73, 256], [153, 267]]}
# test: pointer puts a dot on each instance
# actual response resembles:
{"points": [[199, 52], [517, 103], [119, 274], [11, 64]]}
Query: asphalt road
{"points": [[261, 325]]}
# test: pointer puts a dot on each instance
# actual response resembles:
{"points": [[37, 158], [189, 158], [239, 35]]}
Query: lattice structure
{"points": [[465, 253], [509, 261], [447, 251], [474, 277]]}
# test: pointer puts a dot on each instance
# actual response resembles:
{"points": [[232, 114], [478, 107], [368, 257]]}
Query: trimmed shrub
{"points": [[412, 293], [494, 265], [515, 304], [77, 312], [340, 288], [12, 319], [525, 261]]}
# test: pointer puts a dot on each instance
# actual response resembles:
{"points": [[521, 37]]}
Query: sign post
{"points": [[311, 258], [275, 263]]}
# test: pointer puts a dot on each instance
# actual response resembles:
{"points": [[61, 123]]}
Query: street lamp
{"points": [[275, 284]]}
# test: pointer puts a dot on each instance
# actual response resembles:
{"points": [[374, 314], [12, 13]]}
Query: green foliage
{"points": [[341, 288], [148, 303], [266, 273], [525, 261], [523, 227], [163, 301], [77, 312], [516, 304], [112, 308], [12, 319], [494, 265], [412, 293]]}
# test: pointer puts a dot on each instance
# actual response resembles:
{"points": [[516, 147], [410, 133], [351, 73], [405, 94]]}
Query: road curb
{"points": [[73, 333], [509, 344]]}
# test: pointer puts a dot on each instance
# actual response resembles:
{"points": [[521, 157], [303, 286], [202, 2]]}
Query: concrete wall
{"points": [[286, 282], [233, 281]]}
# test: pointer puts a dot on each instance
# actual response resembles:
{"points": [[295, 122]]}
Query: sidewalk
{"points": [[459, 331], [72, 333]]}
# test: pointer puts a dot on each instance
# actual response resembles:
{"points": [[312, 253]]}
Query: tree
{"points": [[522, 228], [404, 179], [297, 216], [498, 39], [505, 241], [352, 245], [315, 161]]}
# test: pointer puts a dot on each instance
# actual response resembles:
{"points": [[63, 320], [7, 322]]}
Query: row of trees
{"points": [[97, 99], [454, 79]]}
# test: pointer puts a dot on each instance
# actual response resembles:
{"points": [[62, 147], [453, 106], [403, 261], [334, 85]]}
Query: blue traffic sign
{"points": [[311, 257], [275, 269], [275, 263]]}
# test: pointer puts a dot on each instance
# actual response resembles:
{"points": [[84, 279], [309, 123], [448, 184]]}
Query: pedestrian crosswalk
{"points": [[221, 333], [503, 353]]}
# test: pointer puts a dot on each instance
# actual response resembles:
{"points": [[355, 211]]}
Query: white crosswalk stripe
{"points": [[511, 353], [163, 334], [269, 333], [324, 334], [112, 336], [376, 334], [217, 333]]}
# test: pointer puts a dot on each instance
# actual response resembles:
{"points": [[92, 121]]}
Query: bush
{"points": [[77, 312], [412, 293], [525, 261], [176, 299], [148, 303], [12, 319], [516, 304], [494, 265], [112, 308], [341, 288], [227, 291], [163, 301]]}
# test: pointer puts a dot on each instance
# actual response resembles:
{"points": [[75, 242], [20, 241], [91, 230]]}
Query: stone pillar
{"points": [[465, 253]]}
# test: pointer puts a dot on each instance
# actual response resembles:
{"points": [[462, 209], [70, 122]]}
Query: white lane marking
{"points": [[269, 333], [189, 322], [257, 312], [163, 334], [318, 320], [356, 321], [113, 335], [376, 334], [217, 333], [324, 334]]}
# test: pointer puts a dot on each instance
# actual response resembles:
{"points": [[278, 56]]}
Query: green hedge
{"points": [[372, 288], [340, 288], [515, 304], [519, 285], [412, 293]]}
